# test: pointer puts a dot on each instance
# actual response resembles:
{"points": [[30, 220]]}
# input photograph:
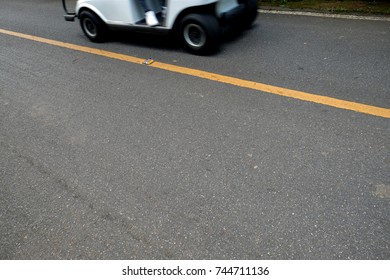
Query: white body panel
{"points": [[129, 12]]}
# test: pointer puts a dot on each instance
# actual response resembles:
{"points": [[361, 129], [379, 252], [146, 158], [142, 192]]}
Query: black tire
{"points": [[251, 7], [93, 27], [200, 33]]}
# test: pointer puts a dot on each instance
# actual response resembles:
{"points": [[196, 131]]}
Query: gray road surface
{"points": [[102, 159]]}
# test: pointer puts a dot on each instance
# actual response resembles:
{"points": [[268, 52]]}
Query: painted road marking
{"points": [[323, 15], [310, 97]]}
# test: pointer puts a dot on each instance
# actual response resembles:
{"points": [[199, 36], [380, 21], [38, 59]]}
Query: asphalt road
{"points": [[104, 159]]}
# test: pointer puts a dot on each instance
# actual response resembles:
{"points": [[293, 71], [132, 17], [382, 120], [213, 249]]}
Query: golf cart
{"points": [[196, 23]]}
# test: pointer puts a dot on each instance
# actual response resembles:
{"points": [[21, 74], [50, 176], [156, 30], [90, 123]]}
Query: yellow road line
{"points": [[319, 99], [329, 101], [74, 47]]}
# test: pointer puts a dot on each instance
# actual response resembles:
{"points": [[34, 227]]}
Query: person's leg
{"points": [[150, 16], [144, 5]]}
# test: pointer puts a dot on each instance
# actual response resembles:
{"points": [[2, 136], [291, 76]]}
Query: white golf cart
{"points": [[197, 23]]}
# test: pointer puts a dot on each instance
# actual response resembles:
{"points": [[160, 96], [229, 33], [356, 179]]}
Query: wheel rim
{"points": [[90, 27], [194, 35]]}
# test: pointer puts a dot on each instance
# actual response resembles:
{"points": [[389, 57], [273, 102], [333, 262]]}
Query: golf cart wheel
{"points": [[200, 33], [250, 13], [93, 27]]}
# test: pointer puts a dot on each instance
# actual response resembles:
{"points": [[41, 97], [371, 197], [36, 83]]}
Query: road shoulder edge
{"points": [[324, 15]]}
